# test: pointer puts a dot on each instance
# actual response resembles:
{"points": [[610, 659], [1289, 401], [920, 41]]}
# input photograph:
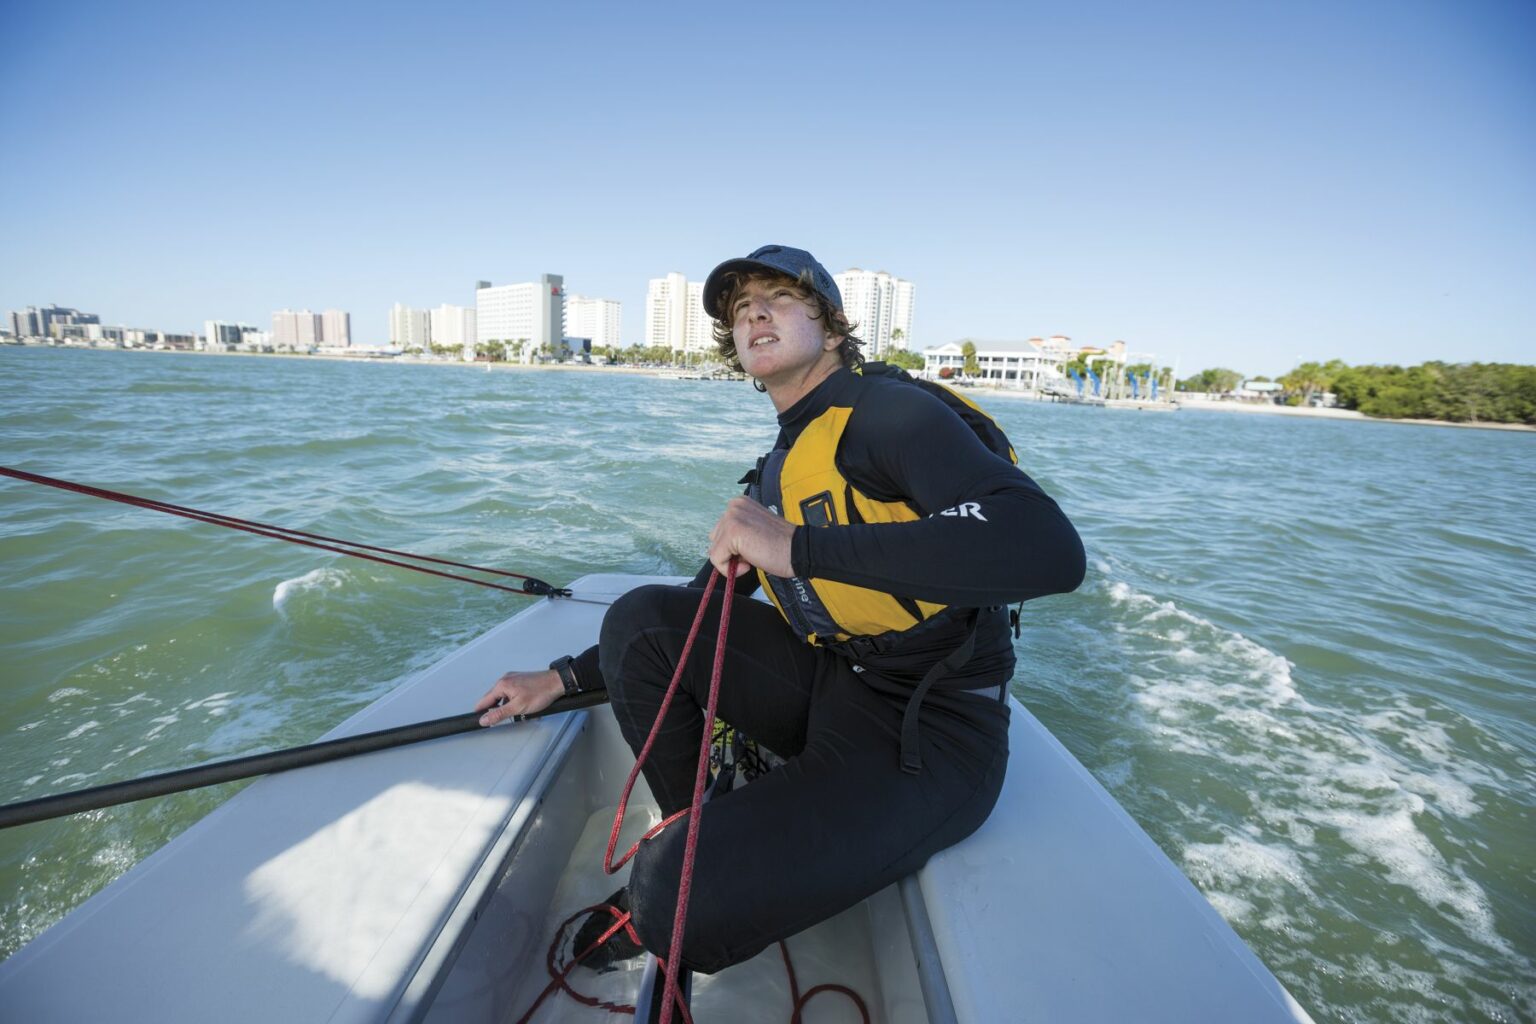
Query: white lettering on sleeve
{"points": [[965, 509]]}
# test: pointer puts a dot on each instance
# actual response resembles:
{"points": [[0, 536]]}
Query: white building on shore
{"points": [[675, 317], [531, 314], [410, 328], [222, 336], [880, 308], [50, 322], [595, 319], [1021, 365], [454, 327]]}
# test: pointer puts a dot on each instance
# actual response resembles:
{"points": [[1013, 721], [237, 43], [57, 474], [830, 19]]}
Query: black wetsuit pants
{"points": [[837, 822]]}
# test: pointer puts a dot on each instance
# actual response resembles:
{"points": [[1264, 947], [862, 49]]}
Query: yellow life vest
{"points": [[804, 485]]}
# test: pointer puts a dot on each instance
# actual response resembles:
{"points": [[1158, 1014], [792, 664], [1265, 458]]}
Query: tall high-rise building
{"points": [[454, 326], [295, 329], [666, 303], [880, 308], [596, 319], [336, 328], [410, 328], [675, 317], [532, 313], [700, 336]]}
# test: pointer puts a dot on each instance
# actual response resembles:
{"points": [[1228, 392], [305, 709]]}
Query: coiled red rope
{"points": [[558, 974], [532, 586]]}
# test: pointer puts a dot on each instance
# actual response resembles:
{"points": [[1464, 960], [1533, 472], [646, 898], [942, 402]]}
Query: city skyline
{"points": [[1219, 186]]}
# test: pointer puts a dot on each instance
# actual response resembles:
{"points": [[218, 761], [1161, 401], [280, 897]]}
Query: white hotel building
{"points": [[533, 313], [595, 319], [880, 308], [675, 317], [1022, 365]]}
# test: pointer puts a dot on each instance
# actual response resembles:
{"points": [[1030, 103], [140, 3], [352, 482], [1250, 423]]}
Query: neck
{"points": [[785, 393]]}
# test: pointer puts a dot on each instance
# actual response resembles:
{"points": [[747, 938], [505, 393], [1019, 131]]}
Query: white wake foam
{"points": [[1367, 780], [314, 580]]}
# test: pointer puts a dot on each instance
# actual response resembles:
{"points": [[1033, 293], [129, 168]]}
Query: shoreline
{"points": [[1340, 414], [1259, 409], [652, 371]]}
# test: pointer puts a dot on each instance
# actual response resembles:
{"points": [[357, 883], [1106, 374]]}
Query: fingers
{"points": [[507, 709], [502, 701], [492, 696], [720, 557], [518, 693], [749, 530]]}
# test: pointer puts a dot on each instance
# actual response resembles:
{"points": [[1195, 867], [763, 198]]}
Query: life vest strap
{"points": [[911, 754]]}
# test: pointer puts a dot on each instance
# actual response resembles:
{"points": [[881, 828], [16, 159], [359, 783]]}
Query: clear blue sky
{"points": [[1238, 184]]}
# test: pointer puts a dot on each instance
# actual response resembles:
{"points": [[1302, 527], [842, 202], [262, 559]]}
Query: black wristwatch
{"points": [[566, 666]]}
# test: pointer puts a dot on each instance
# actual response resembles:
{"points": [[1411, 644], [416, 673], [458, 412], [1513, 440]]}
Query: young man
{"points": [[891, 540]]}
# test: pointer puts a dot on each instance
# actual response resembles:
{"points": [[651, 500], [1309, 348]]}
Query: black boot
{"points": [[618, 948]]}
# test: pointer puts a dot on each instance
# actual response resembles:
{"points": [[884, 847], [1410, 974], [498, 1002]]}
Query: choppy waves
{"points": [[1365, 779], [1303, 658], [315, 581]]}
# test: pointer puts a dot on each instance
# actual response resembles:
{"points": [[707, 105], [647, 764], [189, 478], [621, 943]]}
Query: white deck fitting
{"points": [[318, 894]]}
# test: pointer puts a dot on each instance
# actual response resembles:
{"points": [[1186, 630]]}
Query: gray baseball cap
{"points": [[779, 259]]}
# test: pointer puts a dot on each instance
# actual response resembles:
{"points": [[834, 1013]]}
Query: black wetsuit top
{"points": [[903, 444]]}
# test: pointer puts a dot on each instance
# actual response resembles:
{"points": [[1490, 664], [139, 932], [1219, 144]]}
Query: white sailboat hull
{"points": [[424, 883]]}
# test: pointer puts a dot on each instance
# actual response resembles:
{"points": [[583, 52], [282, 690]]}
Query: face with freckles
{"points": [[778, 338]]}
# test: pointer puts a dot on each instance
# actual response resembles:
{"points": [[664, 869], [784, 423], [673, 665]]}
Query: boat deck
{"points": [[425, 883], [502, 971]]}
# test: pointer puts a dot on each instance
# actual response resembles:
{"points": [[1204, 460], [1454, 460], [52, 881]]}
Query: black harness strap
{"points": [[911, 755]]}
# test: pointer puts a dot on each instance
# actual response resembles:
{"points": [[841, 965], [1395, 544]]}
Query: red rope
{"points": [[559, 974], [700, 780], [609, 865], [282, 533], [798, 1001], [673, 959]]}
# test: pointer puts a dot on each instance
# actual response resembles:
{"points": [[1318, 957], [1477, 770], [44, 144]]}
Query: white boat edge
{"points": [[396, 886]]}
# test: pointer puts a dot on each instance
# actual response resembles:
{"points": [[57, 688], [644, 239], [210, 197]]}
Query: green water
{"points": [[1303, 659]]}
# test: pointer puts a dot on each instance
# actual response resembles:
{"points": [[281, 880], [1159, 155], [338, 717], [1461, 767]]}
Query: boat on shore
{"points": [[429, 883]]}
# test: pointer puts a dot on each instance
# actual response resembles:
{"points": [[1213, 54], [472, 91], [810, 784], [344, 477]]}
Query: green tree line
{"points": [[1456, 392]]}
